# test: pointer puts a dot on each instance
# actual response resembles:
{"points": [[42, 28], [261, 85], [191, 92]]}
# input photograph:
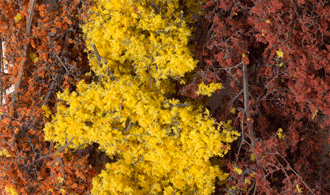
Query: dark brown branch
{"points": [[246, 111], [23, 64]]}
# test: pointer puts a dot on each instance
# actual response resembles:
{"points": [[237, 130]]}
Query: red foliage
{"points": [[285, 91], [53, 37]]}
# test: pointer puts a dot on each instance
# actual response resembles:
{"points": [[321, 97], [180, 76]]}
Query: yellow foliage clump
{"points": [[280, 53], [152, 35], [10, 190], [208, 89], [279, 134], [238, 170], [163, 145], [34, 57], [18, 17], [5, 153]]}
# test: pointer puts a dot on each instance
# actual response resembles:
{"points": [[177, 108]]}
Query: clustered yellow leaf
{"points": [[18, 17], [238, 170], [299, 189], [46, 111], [279, 133], [63, 191], [4, 61], [314, 115], [252, 157], [5, 153], [233, 110], [60, 179], [279, 53], [247, 181], [34, 57], [208, 89], [10, 190], [163, 145]]}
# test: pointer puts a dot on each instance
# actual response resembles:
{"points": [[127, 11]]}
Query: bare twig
{"points": [[97, 56], [150, 77], [158, 9], [172, 105], [59, 59], [104, 61], [62, 173], [121, 107], [50, 90], [130, 125], [294, 171], [66, 145]]}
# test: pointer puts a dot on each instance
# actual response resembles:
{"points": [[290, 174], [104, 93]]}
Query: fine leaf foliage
{"points": [[45, 54], [285, 46], [159, 143]]}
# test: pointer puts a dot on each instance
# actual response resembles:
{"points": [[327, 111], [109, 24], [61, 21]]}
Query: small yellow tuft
{"points": [[46, 111], [247, 181], [18, 17], [5, 153], [252, 158], [280, 53], [314, 115], [279, 134], [10, 190], [233, 110], [299, 189], [238, 170], [34, 57]]}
